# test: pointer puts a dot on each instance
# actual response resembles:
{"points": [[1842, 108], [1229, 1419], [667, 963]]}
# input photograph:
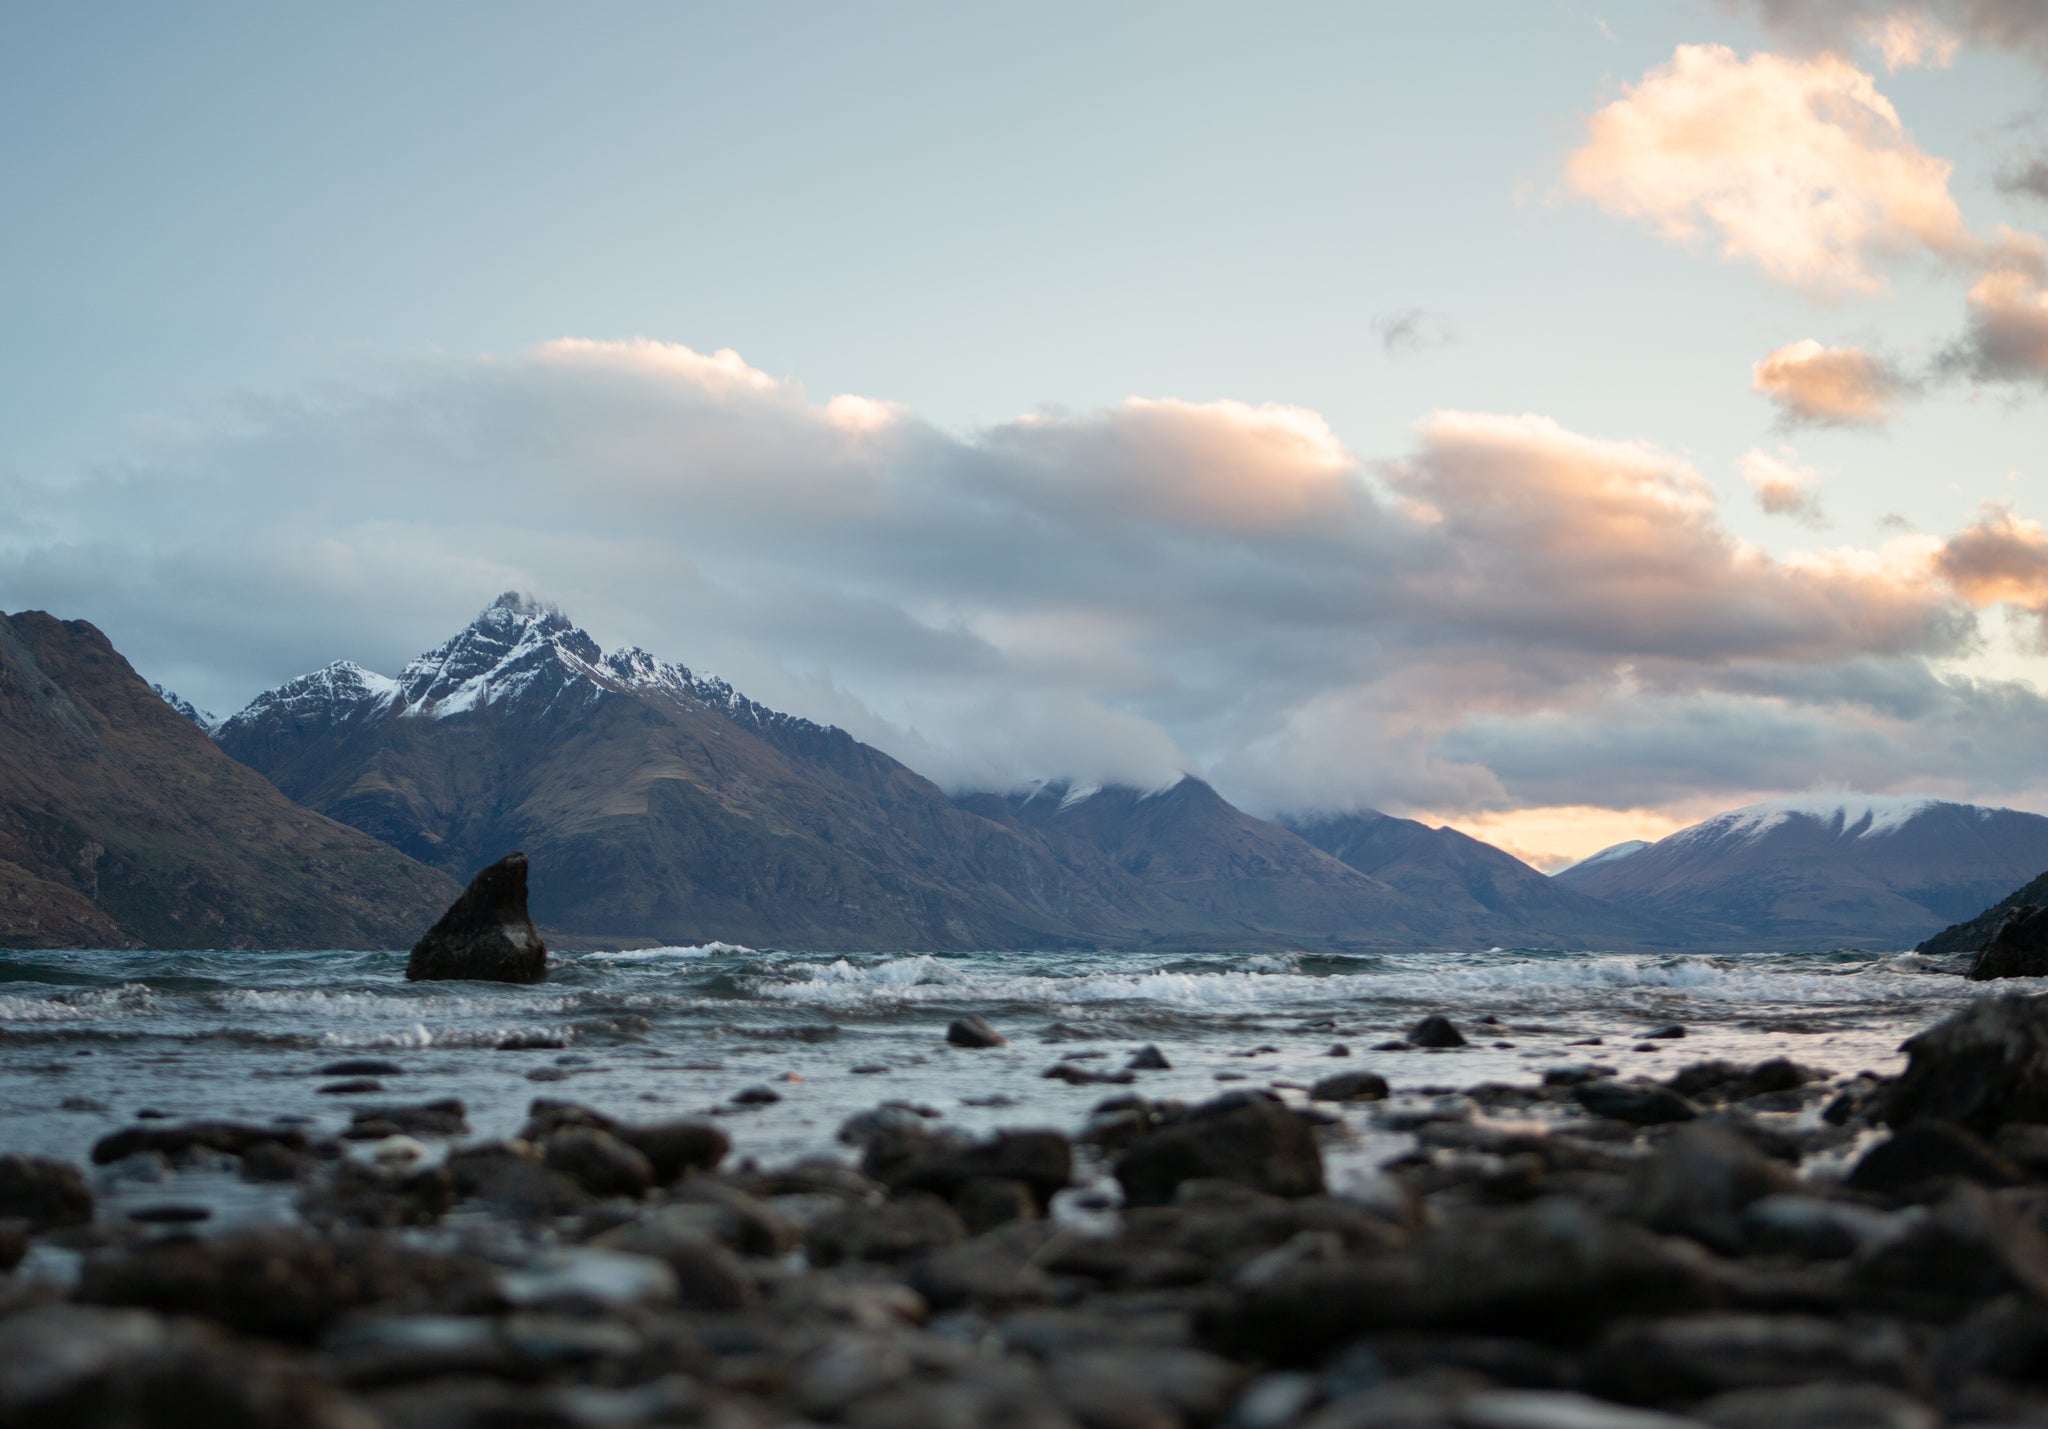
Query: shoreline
{"points": [[1714, 1248]]}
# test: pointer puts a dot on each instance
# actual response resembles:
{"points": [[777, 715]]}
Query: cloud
{"points": [[1783, 489], [1906, 32], [1113, 594], [1797, 165], [1830, 386], [2028, 176], [2007, 336], [2000, 560], [1407, 331]]}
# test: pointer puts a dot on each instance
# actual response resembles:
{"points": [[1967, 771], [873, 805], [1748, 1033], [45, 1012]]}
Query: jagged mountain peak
{"points": [[520, 653], [205, 719]]}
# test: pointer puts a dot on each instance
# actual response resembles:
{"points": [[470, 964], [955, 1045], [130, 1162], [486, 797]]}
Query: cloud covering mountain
{"points": [[1510, 612]]}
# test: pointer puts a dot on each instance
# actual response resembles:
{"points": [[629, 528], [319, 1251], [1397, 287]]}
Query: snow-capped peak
{"points": [[519, 649], [1612, 853], [1847, 815], [205, 719]]}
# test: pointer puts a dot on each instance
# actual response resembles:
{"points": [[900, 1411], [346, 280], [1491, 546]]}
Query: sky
{"points": [[1559, 420]]}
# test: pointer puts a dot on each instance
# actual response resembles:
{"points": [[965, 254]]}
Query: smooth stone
{"points": [[355, 1086], [1700, 1181], [1148, 1059], [361, 1067], [1637, 1103], [170, 1215], [1350, 1087], [1435, 1030], [46, 1194], [1928, 1151], [598, 1162], [974, 1032], [1246, 1137], [1980, 1067]]}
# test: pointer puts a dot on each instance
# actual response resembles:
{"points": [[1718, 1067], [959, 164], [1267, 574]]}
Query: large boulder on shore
{"points": [[2018, 946], [1979, 1068], [486, 935]]}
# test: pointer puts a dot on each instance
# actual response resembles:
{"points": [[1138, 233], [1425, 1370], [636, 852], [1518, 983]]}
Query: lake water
{"points": [[90, 1039]]}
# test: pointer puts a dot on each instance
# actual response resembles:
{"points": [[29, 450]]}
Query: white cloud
{"points": [[1112, 594], [1799, 166]]}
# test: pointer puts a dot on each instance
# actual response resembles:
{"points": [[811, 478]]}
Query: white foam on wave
{"points": [[95, 1005], [400, 1003], [1588, 980], [667, 954], [924, 970]]}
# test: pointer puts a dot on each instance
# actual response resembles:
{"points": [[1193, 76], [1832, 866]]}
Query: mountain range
{"points": [[121, 823], [1824, 871], [657, 804]]}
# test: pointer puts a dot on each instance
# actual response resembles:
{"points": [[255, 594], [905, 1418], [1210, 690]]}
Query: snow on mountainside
{"points": [[1851, 816], [1827, 870], [1606, 855], [205, 719], [519, 653]]}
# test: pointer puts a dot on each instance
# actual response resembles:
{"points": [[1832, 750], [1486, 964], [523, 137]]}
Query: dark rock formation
{"points": [[1979, 1068], [485, 936], [2018, 946]]}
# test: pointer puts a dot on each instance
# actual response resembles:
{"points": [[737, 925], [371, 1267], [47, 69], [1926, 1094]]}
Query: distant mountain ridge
{"points": [[1824, 871], [1449, 869], [121, 824], [658, 803]]}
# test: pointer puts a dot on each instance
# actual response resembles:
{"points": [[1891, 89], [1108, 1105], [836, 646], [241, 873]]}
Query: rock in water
{"points": [[973, 1031], [485, 936], [2018, 946]]}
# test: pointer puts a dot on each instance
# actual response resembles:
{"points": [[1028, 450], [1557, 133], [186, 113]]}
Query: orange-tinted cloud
{"points": [[2000, 560], [1619, 546], [1797, 165], [1782, 489], [1829, 386], [2007, 339]]}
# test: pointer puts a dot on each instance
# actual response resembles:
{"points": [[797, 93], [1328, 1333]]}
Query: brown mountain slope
{"points": [[121, 823], [1190, 862]]}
